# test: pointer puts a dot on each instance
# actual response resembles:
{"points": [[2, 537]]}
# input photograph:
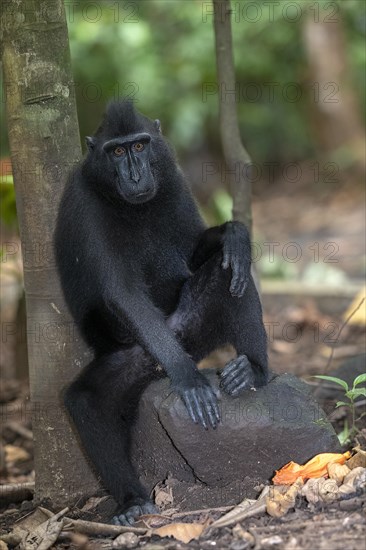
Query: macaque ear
{"points": [[90, 143], [157, 125]]}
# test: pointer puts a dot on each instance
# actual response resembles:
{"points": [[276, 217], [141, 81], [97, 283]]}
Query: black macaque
{"points": [[152, 291]]}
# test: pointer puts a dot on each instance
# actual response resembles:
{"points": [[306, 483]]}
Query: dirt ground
{"points": [[333, 526], [336, 217]]}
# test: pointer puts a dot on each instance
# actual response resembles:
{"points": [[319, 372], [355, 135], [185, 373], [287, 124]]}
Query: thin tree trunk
{"points": [[334, 108], [236, 157], [44, 144]]}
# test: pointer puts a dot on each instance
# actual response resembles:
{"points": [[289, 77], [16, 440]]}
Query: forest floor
{"points": [[321, 333], [328, 526]]}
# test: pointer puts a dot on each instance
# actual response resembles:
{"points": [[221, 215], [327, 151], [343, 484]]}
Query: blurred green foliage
{"points": [[7, 201], [161, 54]]}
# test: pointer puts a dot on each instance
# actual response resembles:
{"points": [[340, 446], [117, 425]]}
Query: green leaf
{"points": [[342, 404], [352, 394], [223, 205], [361, 378], [343, 436], [338, 381]]}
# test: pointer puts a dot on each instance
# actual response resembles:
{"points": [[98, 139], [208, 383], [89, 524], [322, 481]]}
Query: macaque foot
{"points": [[237, 376], [132, 513]]}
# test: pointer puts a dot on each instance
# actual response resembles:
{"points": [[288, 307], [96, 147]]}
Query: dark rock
{"points": [[260, 432]]}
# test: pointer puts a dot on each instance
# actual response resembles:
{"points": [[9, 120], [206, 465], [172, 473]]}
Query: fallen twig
{"points": [[20, 430], [16, 492], [202, 511], [246, 509], [100, 529]]}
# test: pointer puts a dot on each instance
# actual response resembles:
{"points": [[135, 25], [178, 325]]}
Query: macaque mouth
{"points": [[138, 198]]}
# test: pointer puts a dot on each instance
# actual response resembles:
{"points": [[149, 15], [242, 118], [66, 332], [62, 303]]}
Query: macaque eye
{"points": [[119, 151], [138, 147]]}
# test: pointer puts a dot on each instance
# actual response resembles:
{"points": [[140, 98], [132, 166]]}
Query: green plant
{"points": [[7, 201], [351, 394]]}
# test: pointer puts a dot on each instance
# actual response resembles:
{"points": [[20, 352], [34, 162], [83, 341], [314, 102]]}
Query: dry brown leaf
{"points": [[163, 496], [240, 533], [29, 524], [355, 479], [46, 534], [247, 508], [80, 541], [126, 540], [320, 490], [358, 459], [93, 502], [316, 467], [184, 532], [15, 454], [337, 471], [279, 503], [232, 516]]}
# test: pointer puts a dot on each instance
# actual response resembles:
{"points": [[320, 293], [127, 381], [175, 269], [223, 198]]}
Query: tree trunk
{"points": [[44, 144], [335, 112], [236, 157]]}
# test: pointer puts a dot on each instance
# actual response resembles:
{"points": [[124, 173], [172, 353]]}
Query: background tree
{"points": [[44, 144], [236, 156], [276, 94], [338, 126]]}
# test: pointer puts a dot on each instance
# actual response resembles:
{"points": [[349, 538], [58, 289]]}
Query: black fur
{"points": [[149, 285]]}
